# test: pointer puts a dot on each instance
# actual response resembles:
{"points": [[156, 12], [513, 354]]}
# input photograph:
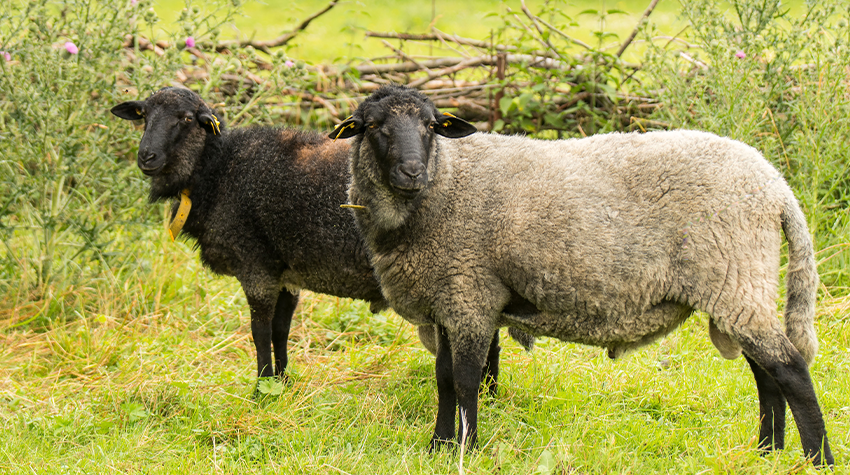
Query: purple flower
{"points": [[71, 47], [289, 63], [6, 55], [740, 54], [190, 42]]}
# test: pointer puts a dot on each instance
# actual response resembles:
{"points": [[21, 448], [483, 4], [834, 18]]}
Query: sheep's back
{"points": [[279, 204], [613, 224]]}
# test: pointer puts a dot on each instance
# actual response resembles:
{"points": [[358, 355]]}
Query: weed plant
{"points": [[779, 84], [120, 353]]}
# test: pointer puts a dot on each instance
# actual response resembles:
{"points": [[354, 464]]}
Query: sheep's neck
{"points": [[181, 216]]}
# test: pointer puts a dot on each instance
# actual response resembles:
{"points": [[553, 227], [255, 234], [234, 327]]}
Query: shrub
{"points": [[778, 83], [72, 204]]}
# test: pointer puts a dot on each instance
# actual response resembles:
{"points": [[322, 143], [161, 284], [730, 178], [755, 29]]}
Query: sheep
{"points": [[612, 241], [263, 205]]}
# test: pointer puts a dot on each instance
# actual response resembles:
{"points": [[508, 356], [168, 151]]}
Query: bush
{"points": [[65, 190], [586, 95], [778, 83], [72, 204]]}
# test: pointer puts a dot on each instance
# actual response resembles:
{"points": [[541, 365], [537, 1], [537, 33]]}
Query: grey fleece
{"points": [[614, 238]]}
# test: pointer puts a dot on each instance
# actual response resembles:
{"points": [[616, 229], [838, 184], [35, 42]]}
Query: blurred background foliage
{"points": [[73, 209]]}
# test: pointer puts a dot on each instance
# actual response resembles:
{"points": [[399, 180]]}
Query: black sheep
{"points": [[263, 204]]}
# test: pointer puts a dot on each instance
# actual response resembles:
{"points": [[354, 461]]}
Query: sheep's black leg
{"points": [[444, 431], [467, 377], [771, 410], [469, 352], [788, 369], [283, 311], [261, 329], [491, 368], [460, 361]]}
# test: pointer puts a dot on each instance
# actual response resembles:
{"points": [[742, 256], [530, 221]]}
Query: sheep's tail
{"points": [[801, 282]]}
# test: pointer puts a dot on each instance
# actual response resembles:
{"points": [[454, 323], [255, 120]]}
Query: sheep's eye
{"points": [[372, 125], [432, 125], [187, 119]]}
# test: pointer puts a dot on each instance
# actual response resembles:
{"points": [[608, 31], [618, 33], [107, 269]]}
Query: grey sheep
{"points": [[264, 206], [612, 241]]}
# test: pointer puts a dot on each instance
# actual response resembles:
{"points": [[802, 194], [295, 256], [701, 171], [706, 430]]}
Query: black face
{"points": [[177, 124], [400, 126], [165, 131], [402, 142]]}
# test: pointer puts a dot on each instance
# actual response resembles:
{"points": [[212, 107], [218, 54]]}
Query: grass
{"points": [[159, 379]]}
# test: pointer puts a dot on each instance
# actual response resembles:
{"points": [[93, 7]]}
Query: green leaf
{"points": [[589, 12], [135, 411], [270, 386], [547, 463], [608, 90], [505, 104], [553, 120], [523, 100], [615, 12]]}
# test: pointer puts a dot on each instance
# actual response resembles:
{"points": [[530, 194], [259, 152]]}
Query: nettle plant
{"points": [[61, 185], [71, 198]]}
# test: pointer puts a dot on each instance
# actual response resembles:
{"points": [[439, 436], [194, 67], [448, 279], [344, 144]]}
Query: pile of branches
{"points": [[472, 81]]}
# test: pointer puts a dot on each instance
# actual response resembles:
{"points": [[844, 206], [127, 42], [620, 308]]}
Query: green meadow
{"points": [[121, 353]]}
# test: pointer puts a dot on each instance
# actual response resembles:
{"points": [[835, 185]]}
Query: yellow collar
{"points": [[182, 214]]}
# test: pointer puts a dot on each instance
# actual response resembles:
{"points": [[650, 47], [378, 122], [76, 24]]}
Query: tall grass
{"points": [[120, 353]]}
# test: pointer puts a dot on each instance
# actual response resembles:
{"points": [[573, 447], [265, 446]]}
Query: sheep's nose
{"points": [[412, 169], [147, 157]]}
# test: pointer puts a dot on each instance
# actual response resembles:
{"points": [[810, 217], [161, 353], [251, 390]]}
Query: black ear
{"points": [[348, 128], [130, 110], [453, 128], [209, 121]]}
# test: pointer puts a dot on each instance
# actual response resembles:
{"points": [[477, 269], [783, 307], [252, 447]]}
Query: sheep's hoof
{"points": [[439, 443]]}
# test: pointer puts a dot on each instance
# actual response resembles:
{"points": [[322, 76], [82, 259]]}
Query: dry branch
{"points": [[470, 77], [438, 36], [281, 40], [542, 39], [539, 62], [564, 35], [631, 37]]}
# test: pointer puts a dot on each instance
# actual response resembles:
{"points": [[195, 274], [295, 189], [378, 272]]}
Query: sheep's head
{"points": [[177, 125], [399, 128]]}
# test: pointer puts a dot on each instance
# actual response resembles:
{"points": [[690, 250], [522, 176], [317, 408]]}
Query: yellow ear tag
{"points": [[447, 122], [215, 125], [352, 125], [182, 215], [352, 206]]}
